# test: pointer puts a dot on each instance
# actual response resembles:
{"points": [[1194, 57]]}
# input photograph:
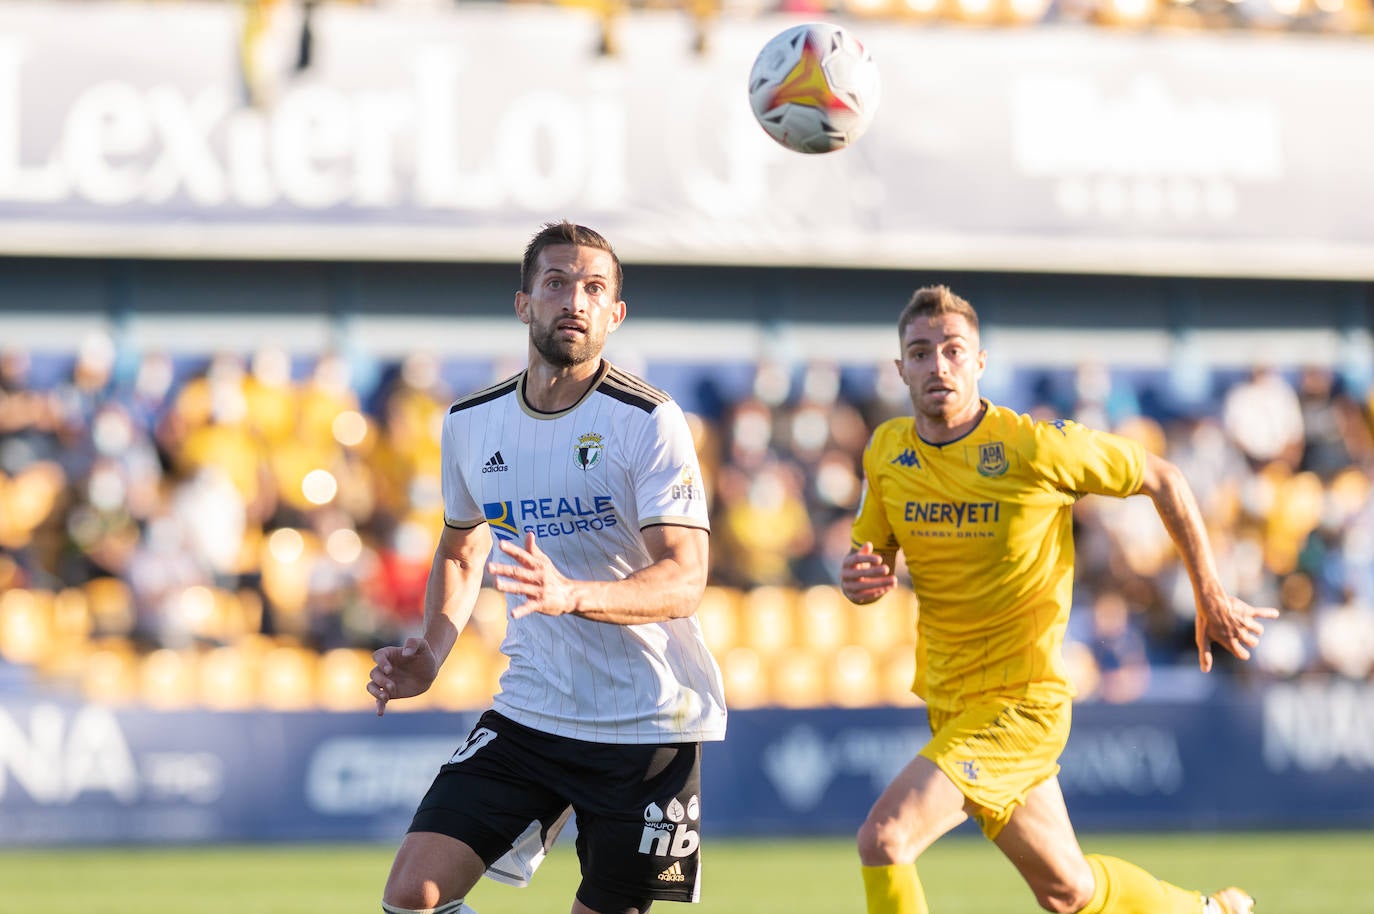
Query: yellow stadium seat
{"points": [[746, 686], [286, 678], [466, 681], [227, 678], [824, 617], [26, 626], [855, 678], [889, 622], [489, 617], [718, 613], [109, 674], [167, 679], [71, 616], [341, 680], [897, 675], [111, 605], [799, 680], [768, 620]]}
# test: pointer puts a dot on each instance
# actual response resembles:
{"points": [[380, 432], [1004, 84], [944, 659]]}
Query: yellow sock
{"points": [[894, 889], [1124, 888]]}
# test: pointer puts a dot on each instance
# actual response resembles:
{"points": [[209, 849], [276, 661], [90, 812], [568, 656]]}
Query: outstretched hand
{"points": [[1230, 622], [534, 577], [402, 672], [865, 576]]}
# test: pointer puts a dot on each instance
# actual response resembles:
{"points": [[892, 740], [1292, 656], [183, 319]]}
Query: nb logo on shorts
{"points": [[672, 873], [667, 830], [970, 770]]}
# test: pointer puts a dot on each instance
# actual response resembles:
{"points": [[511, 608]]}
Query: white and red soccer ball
{"points": [[814, 88]]}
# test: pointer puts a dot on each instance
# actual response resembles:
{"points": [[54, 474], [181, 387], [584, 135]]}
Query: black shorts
{"points": [[638, 807]]}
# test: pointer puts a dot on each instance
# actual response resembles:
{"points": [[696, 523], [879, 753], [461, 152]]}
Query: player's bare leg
{"points": [[431, 870], [1040, 842], [919, 806]]}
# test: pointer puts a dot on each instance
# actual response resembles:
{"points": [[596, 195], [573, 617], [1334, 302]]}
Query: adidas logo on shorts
{"points": [[496, 464], [672, 873]]}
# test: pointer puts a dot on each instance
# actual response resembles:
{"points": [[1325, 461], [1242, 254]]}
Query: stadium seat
{"points": [[341, 680], [227, 678], [167, 679], [467, 680], [854, 677], [489, 617], [26, 625], [824, 617], [109, 673], [286, 678], [799, 680], [111, 605], [889, 622], [719, 615], [898, 673], [768, 620], [746, 686]]}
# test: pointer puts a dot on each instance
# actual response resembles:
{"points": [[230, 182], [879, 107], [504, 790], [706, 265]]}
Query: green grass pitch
{"points": [[1289, 872]]}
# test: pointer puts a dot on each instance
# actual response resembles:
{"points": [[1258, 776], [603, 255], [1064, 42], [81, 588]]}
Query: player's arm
{"points": [[1221, 618], [455, 579], [670, 587]]}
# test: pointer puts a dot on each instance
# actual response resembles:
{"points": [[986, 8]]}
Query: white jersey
{"points": [[586, 480]]}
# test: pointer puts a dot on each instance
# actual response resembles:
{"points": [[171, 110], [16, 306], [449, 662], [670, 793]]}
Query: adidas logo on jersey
{"points": [[496, 464], [672, 873]]}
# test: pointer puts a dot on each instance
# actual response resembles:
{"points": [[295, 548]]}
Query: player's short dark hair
{"points": [[565, 232], [929, 301]]}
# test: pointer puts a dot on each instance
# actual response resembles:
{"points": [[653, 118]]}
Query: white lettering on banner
{"points": [[320, 147], [194, 776], [58, 759], [801, 765], [1143, 153], [359, 776], [1317, 727], [1140, 760]]}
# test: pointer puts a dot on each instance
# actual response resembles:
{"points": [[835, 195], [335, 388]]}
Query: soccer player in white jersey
{"points": [[576, 486]]}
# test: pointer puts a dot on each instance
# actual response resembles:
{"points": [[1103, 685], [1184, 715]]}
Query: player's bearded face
{"points": [[573, 305]]}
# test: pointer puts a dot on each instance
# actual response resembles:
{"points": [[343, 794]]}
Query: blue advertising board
{"points": [[1288, 756]]}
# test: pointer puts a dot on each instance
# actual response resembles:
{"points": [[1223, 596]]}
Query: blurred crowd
{"points": [[195, 501]]}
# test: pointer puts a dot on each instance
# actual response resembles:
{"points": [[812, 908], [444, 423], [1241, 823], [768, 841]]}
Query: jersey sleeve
{"points": [[461, 510], [667, 474], [870, 521], [1085, 461]]}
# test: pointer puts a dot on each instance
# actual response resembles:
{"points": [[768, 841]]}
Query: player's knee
{"points": [[1067, 895], [882, 842], [421, 904]]}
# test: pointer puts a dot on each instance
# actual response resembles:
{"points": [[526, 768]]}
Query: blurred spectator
{"points": [[1264, 418]]}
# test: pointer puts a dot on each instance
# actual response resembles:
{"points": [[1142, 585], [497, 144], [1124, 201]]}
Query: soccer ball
{"points": [[814, 88]]}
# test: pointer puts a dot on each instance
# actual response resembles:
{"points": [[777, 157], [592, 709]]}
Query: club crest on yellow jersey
{"points": [[992, 459]]}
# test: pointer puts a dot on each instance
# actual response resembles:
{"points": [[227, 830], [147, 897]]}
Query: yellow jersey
{"points": [[985, 526]]}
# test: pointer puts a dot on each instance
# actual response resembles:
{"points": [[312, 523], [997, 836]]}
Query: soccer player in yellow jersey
{"points": [[977, 498]]}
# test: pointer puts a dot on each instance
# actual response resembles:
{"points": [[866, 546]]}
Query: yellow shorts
{"points": [[997, 749]]}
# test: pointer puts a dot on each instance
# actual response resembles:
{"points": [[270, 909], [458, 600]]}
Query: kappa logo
{"points": [[673, 873], [907, 458], [496, 464]]}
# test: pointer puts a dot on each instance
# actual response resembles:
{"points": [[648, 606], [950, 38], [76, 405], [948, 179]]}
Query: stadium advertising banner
{"points": [[449, 133], [1297, 755]]}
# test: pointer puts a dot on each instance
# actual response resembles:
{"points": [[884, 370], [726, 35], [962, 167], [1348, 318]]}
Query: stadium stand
{"points": [[181, 557]]}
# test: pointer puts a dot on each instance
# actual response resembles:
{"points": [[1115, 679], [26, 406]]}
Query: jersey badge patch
{"points": [[992, 459], [588, 450]]}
